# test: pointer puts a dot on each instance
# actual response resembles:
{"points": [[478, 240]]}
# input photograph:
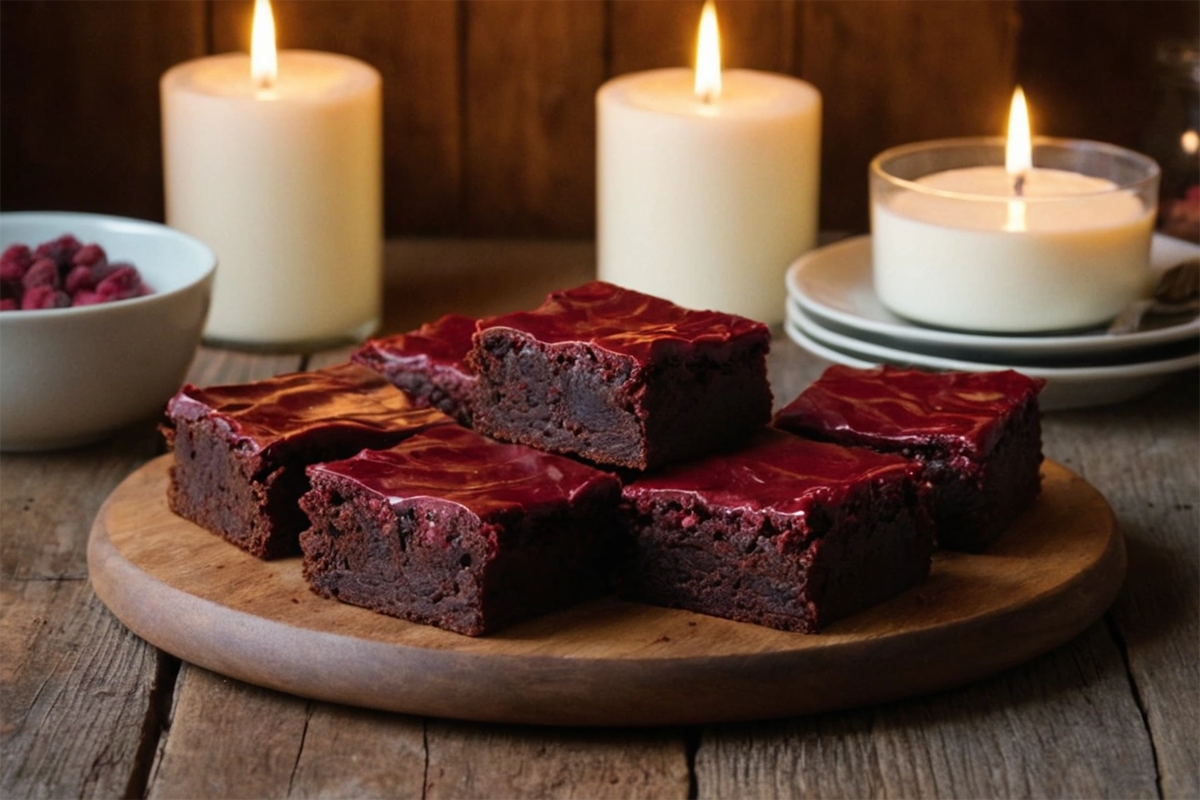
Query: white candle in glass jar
{"points": [[960, 241], [706, 199], [283, 180], [1073, 252]]}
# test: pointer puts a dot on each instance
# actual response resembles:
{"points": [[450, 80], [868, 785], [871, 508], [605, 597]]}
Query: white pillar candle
{"points": [[707, 203], [284, 182], [1073, 253]]}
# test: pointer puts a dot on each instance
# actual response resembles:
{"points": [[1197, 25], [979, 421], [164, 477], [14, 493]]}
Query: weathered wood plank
{"points": [[77, 693], [415, 46], [79, 123], [352, 752], [1064, 725], [531, 72], [45, 537], [230, 739], [468, 761], [1158, 508], [329, 358], [213, 367], [648, 34], [901, 71], [485, 277]]}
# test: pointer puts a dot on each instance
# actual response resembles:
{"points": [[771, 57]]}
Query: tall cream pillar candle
{"points": [[707, 201], [284, 181]]}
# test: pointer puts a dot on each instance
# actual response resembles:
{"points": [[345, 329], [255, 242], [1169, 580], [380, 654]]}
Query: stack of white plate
{"points": [[832, 311]]}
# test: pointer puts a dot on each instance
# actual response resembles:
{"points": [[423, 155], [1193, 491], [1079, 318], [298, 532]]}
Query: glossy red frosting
{"points": [[775, 472], [459, 466], [964, 411], [290, 410], [443, 343], [626, 322]]}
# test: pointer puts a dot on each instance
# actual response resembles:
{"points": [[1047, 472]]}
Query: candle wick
{"points": [[1019, 185], [708, 97]]}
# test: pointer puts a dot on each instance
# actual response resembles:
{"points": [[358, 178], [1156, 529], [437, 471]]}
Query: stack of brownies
{"points": [[607, 438]]}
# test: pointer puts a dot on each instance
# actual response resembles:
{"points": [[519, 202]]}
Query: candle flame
{"points": [[1190, 142], [1018, 157], [263, 64], [708, 55], [1018, 152]]}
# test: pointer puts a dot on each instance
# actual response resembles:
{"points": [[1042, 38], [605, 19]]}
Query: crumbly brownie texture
{"points": [[786, 532], [622, 378], [429, 364], [978, 435], [455, 530], [240, 450]]}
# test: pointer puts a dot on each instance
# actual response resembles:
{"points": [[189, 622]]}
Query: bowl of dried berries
{"points": [[99, 320]]}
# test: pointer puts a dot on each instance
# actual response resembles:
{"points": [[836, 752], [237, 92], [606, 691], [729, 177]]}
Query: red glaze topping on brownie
{"points": [[775, 472], [624, 322], [962, 410], [459, 466], [274, 414], [444, 343]]}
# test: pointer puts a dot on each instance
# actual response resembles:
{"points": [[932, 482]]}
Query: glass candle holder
{"points": [[960, 243]]}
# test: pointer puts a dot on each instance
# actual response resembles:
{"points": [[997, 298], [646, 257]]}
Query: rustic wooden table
{"points": [[88, 709]]}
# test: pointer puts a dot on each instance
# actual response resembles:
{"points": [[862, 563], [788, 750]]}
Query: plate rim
{"points": [[1138, 369], [856, 250]]}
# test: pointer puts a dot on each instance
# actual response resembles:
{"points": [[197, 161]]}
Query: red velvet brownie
{"points": [[452, 529], [429, 364], [619, 377], [978, 435], [241, 450], [785, 532]]}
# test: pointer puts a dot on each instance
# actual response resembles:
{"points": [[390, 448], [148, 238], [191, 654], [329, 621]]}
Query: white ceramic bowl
{"points": [[73, 375]]}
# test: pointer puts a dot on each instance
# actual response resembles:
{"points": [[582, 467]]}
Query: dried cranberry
{"points": [[44, 297], [19, 253], [86, 297], [60, 250], [120, 284], [80, 277], [14, 262], [9, 304], [11, 271], [89, 256], [44, 272]]}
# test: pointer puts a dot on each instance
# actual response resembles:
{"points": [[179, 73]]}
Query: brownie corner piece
{"points": [[977, 435], [429, 364], [452, 529], [240, 450], [620, 378], [785, 532]]}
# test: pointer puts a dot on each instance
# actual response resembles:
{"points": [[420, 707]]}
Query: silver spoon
{"points": [[1177, 292]]}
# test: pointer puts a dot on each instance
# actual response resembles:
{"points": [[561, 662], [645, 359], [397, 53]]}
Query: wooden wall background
{"points": [[489, 116]]}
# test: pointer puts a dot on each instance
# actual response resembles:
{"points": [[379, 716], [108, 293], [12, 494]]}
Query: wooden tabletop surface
{"points": [[88, 709]]}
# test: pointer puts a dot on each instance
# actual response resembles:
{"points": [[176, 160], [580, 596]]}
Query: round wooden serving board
{"points": [[608, 662]]}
